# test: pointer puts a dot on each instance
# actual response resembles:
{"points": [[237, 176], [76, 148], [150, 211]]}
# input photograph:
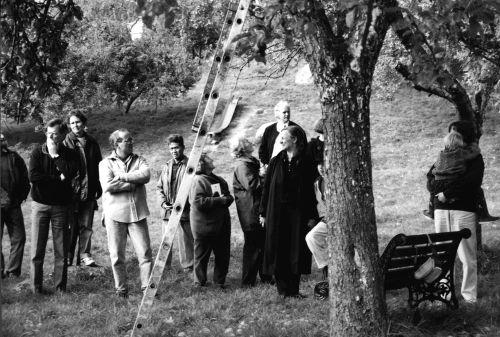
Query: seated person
{"points": [[316, 238]]}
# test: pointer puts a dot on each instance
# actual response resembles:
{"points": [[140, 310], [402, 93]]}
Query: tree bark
{"points": [[357, 301]]}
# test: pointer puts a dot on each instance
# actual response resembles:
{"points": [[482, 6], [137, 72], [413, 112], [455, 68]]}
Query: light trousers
{"points": [[316, 241], [117, 241], [185, 241], [451, 220]]}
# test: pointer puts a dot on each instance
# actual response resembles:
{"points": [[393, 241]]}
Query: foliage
{"points": [[104, 65], [33, 43], [200, 24]]}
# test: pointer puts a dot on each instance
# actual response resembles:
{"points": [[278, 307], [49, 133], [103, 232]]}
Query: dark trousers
{"points": [[287, 283], [44, 216], [253, 253], [80, 220], [203, 247], [12, 218]]}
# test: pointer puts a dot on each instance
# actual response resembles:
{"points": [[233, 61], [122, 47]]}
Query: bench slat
{"points": [[440, 247]]}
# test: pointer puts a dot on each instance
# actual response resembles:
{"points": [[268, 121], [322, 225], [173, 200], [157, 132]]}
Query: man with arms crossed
{"points": [[123, 176]]}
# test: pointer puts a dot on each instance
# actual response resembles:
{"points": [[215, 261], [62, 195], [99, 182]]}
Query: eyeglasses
{"points": [[128, 140]]}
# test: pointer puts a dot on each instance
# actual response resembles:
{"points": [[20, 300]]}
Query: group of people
{"points": [[64, 178], [275, 201], [279, 198]]}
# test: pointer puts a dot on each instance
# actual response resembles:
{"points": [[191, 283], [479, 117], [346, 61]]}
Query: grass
{"points": [[406, 137]]}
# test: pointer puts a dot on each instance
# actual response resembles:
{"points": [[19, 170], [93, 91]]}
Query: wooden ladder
{"points": [[233, 25]]}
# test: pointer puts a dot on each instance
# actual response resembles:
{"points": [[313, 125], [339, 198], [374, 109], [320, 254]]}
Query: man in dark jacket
{"points": [[270, 142], [52, 167], [82, 217], [210, 222], [167, 187], [15, 187]]}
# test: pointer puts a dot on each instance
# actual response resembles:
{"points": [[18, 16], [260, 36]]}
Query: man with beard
{"points": [[123, 176]]}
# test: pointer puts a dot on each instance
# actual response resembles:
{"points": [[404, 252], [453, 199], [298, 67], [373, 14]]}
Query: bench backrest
{"points": [[405, 253]]}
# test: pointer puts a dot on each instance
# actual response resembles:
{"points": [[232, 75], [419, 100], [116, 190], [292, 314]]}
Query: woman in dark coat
{"points": [[247, 189], [288, 211]]}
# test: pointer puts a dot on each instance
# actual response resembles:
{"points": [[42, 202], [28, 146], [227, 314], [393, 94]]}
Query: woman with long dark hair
{"points": [[288, 211]]}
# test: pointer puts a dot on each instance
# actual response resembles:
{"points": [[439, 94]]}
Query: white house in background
{"points": [[136, 29], [303, 75]]}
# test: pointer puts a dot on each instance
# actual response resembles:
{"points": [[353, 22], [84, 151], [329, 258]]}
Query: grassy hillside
{"points": [[406, 137]]}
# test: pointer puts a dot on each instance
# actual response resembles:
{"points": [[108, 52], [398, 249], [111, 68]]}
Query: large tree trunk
{"points": [[357, 303], [356, 287]]}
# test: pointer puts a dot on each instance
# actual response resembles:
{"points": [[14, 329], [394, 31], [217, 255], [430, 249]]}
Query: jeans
{"points": [[12, 218], [81, 221], [117, 242], [185, 241], [447, 221], [316, 241], [42, 216]]}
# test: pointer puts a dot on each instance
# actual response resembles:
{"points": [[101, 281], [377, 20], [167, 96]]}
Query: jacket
{"points": [[19, 185], [208, 213], [45, 172], [124, 200], [247, 189], [164, 187], [463, 192], [90, 157], [267, 144]]}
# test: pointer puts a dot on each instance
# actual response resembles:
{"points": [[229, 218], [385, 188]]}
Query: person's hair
{"points": [[113, 137], [175, 138], [453, 140], [63, 128], [201, 163], [241, 147], [280, 107], [298, 133], [466, 129], [78, 114]]}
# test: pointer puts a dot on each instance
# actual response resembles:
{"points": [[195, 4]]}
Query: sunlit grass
{"points": [[406, 137]]}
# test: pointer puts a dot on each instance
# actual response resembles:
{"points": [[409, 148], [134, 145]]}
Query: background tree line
{"points": [[62, 55]]}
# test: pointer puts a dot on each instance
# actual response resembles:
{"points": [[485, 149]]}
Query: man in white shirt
{"points": [[123, 176]]}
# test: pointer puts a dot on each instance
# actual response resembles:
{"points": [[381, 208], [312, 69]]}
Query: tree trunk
{"points": [[357, 303], [356, 287]]}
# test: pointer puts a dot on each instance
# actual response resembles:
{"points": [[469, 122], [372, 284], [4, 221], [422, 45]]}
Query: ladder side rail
{"points": [[194, 157], [205, 94]]}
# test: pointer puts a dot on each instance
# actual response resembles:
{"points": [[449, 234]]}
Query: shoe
{"points": [[488, 218], [41, 291], [11, 275], [122, 294], [298, 296], [88, 261], [188, 270], [428, 214]]}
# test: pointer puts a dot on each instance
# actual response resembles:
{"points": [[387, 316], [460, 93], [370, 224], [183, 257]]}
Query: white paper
{"points": [[216, 188]]}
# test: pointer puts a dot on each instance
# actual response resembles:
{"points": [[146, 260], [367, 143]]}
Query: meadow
{"points": [[406, 135]]}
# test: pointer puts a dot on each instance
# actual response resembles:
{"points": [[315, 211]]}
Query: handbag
{"points": [[431, 269]]}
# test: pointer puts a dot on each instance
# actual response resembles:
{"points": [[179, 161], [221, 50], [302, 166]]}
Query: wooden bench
{"points": [[406, 253]]}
